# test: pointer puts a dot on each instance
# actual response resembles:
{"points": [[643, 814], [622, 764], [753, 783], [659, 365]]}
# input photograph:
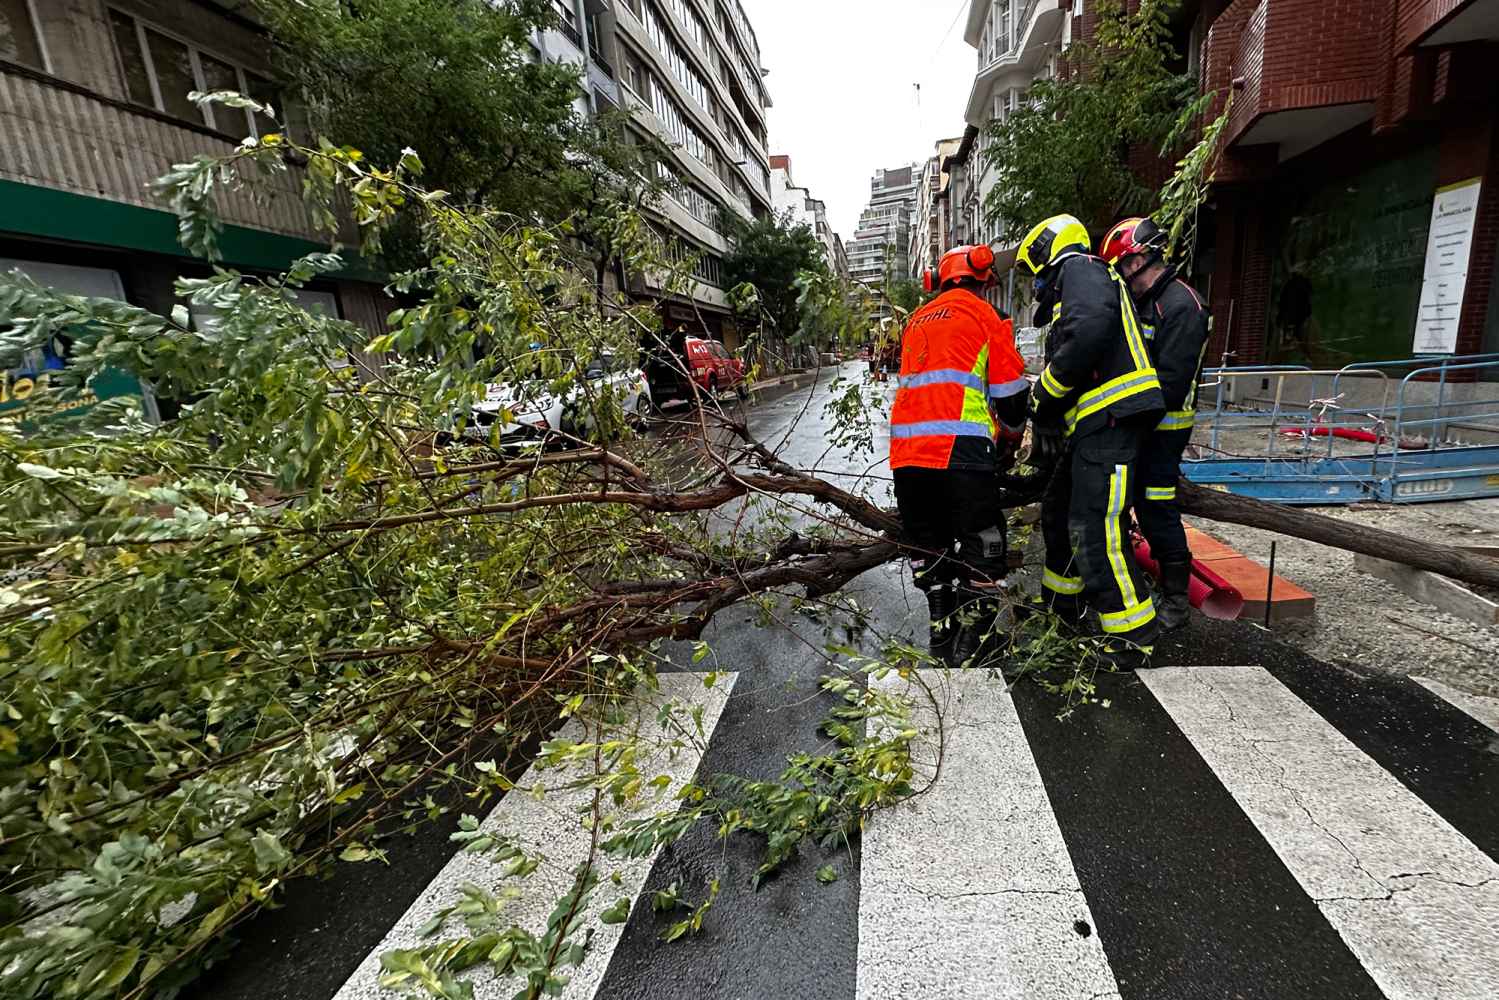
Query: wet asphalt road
{"points": [[1190, 901]]}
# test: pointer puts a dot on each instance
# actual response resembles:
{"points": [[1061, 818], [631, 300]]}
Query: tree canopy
{"points": [[454, 78], [770, 254], [1066, 148]]}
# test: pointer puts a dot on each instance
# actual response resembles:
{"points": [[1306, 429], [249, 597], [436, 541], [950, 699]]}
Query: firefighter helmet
{"points": [[1058, 237], [1133, 236]]}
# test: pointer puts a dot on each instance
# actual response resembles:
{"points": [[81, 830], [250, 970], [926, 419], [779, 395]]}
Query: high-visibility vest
{"points": [[1097, 359], [957, 355]]}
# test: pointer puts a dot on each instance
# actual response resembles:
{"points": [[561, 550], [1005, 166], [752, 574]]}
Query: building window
{"points": [[567, 20], [159, 71], [19, 40]]}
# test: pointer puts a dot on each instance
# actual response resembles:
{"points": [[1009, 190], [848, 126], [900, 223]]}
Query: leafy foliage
{"points": [[1183, 195], [240, 645], [774, 264], [1066, 149], [454, 78]]}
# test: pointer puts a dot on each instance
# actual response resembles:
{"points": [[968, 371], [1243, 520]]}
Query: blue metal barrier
{"points": [[1412, 458]]}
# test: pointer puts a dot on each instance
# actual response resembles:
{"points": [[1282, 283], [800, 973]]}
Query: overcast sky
{"points": [[842, 78]]}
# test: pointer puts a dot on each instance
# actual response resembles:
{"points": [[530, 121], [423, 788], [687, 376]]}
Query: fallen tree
{"points": [[1297, 522], [253, 641]]}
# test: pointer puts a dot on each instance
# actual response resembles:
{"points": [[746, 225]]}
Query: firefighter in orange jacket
{"points": [[958, 419]]}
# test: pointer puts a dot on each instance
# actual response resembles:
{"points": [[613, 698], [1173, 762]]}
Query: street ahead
{"points": [[1243, 822]]}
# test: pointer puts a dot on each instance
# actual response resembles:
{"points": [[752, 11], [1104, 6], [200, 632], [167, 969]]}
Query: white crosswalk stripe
{"points": [[968, 890], [1416, 902], [1484, 710], [551, 827]]}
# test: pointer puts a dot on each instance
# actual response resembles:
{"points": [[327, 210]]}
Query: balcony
{"points": [[1037, 31], [1289, 96], [54, 134], [1428, 23]]}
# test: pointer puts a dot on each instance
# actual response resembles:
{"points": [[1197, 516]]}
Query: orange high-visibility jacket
{"points": [[957, 356]]}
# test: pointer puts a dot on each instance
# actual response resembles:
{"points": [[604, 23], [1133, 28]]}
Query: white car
{"points": [[535, 410]]}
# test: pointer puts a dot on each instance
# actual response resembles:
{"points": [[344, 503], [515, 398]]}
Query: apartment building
{"points": [[1355, 215], [798, 205], [689, 71], [93, 107], [931, 227], [881, 247], [1018, 42]]}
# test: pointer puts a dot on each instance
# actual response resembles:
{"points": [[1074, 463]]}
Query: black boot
{"points": [[1071, 613], [1174, 607], [1123, 655], [977, 617], [941, 609]]}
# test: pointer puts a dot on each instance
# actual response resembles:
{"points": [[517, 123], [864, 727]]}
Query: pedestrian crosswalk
{"points": [[1288, 861], [967, 890], [1415, 900]]}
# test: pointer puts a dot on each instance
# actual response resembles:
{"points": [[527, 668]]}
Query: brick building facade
{"points": [[1348, 117]]}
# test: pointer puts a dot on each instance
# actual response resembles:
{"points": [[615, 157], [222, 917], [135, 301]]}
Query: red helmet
{"points": [[1132, 236], [962, 262]]}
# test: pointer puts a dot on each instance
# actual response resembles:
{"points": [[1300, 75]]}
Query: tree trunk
{"points": [[1298, 522]]}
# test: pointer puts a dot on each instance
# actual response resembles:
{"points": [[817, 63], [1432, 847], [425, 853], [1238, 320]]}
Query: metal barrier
{"points": [[1395, 445]]}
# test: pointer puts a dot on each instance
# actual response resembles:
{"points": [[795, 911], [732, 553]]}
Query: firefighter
{"points": [[1100, 395], [1175, 323], [958, 419]]}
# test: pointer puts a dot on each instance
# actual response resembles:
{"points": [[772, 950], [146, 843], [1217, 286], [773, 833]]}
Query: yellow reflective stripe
{"points": [[1178, 420], [1131, 618], [1132, 335], [1111, 392], [981, 366], [1057, 583], [976, 410], [976, 400], [1052, 384], [1160, 492], [1114, 536], [1056, 312]]}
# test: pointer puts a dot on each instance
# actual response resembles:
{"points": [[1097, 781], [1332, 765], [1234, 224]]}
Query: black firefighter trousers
{"points": [[1085, 523], [1156, 509]]}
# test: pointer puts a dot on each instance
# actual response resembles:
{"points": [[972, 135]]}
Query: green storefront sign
{"points": [[20, 388], [1347, 263]]}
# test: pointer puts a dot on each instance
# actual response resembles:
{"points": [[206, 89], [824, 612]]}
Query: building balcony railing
{"points": [[1020, 27], [58, 135]]}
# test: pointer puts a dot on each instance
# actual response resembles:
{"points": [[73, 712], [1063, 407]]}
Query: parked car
{"points": [[535, 410]]}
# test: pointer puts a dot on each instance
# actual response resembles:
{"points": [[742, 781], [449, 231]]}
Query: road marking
{"points": [[551, 826], [1416, 902], [1481, 709], [968, 890]]}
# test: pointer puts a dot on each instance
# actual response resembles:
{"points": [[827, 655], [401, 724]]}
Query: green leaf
{"points": [[827, 874], [618, 913], [269, 854]]}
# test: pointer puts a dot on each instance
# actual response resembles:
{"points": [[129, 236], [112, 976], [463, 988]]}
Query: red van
{"points": [[713, 368]]}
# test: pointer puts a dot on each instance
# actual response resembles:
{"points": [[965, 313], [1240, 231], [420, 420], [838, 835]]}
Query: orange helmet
{"points": [[976, 262], [1132, 236]]}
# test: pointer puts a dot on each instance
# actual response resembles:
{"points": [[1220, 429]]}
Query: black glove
{"points": [[1048, 443]]}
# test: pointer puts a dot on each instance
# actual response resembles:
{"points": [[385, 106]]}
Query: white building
{"points": [[689, 72], [1018, 42], [931, 229], [881, 247], [797, 204]]}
